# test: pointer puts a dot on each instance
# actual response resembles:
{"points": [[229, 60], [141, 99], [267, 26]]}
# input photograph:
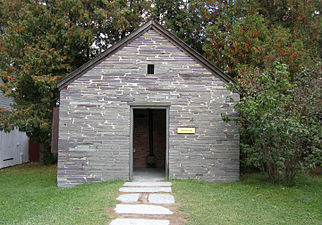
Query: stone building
{"points": [[148, 104]]}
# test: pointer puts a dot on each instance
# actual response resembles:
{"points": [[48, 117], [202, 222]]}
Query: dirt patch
{"points": [[144, 198], [317, 170], [111, 214]]}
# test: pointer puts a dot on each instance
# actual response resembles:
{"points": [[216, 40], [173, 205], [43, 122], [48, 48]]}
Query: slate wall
{"points": [[94, 128]]}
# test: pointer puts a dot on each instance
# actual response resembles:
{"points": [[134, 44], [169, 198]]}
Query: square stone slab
{"points": [[139, 222], [129, 198], [142, 209], [147, 184], [145, 189], [161, 198]]}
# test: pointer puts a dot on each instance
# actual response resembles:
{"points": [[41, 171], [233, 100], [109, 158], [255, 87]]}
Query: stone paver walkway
{"points": [[144, 199], [124, 221], [145, 189]]}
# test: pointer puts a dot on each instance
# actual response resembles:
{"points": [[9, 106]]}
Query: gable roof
{"points": [[149, 25]]}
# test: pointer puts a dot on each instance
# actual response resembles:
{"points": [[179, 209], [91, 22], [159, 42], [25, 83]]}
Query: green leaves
{"points": [[244, 36], [275, 136], [42, 43]]}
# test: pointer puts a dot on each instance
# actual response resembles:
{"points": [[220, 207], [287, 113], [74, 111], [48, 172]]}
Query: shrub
{"points": [[276, 134]]}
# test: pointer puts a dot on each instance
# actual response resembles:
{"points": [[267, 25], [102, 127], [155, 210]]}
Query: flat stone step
{"points": [[147, 184], [142, 209], [161, 198], [129, 198], [124, 221], [145, 189]]}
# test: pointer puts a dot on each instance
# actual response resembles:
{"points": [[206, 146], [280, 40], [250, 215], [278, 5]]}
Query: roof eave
{"points": [[86, 66], [151, 24], [196, 55]]}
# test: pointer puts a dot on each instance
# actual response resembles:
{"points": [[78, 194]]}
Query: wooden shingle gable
{"points": [[162, 31]]}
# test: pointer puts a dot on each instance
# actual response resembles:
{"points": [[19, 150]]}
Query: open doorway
{"points": [[149, 144]]}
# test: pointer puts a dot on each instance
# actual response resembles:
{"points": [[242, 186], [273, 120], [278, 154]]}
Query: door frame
{"points": [[166, 108]]}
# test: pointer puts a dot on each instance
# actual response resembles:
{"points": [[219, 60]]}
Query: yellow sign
{"points": [[186, 130]]}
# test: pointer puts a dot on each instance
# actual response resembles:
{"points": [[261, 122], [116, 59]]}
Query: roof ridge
{"points": [[151, 24]]}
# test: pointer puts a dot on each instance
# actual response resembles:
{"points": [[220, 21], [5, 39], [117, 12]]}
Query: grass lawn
{"points": [[28, 195], [251, 201]]}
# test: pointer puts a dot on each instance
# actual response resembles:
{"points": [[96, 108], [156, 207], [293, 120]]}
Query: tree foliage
{"points": [[276, 136], [301, 17], [184, 18], [279, 130], [43, 41], [246, 35]]}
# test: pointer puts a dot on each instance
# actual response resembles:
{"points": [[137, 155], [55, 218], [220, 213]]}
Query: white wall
{"points": [[13, 145]]}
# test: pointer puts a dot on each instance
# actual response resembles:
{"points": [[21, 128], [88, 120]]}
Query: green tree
{"points": [[43, 41], [275, 135], [280, 111], [185, 18], [248, 43], [301, 17]]}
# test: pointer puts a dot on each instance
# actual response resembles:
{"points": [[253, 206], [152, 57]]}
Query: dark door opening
{"points": [[149, 144]]}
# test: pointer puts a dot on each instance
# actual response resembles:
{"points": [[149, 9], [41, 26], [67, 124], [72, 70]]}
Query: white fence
{"points": [[13, 148]]}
